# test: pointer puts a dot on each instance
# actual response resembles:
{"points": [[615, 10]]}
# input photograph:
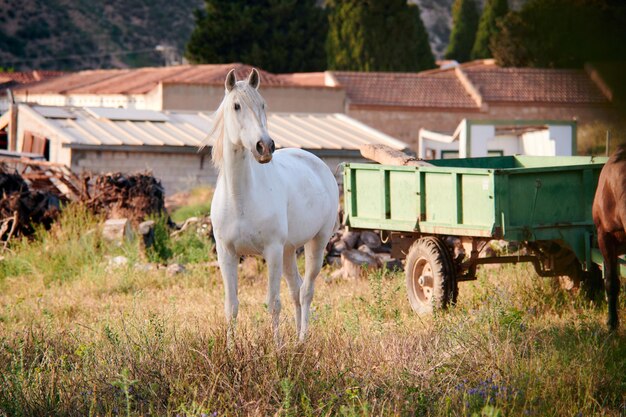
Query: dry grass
{"points": [[123, 342]]}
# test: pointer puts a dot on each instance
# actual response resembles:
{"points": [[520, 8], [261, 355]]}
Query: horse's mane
{"points": [[619, 154], [247, 95]]}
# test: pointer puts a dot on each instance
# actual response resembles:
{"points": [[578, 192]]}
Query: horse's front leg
{"points": [[274, 257], [228, 262]]}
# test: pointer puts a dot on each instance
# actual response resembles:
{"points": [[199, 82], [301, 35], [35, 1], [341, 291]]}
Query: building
{"points": [[100, 139], [399, 104], [182, 87], [10, 80], [476, 138]]}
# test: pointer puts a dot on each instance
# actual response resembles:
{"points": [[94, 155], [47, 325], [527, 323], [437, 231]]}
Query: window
{"points": [[36, 144], [449, 154]]}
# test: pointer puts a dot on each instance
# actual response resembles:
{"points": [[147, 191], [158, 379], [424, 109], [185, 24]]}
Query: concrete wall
{"points": [[279, 99], [405, 124], [127, 101], [177, 171]]}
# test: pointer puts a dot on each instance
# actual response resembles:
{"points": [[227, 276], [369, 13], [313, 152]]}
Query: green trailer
{"points": [[442, 217]]}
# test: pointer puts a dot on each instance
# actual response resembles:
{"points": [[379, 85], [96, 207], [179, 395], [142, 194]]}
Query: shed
{"points": [[476, 138], [99, 139]]}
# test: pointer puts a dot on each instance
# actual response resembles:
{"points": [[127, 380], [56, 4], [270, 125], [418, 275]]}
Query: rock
{"points": [[370, 239], [146, 231], [175, 269], [356, 264], [333, 260], [145, 267], [117, 262], [366, 249], [350, 238], [335, 275], [117, 230]]}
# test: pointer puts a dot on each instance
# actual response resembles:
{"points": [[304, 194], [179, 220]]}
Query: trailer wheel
{"points": [[430, 275]]}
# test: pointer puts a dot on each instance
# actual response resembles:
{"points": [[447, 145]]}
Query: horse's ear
{"points": [[230, 80], [254, 79]]}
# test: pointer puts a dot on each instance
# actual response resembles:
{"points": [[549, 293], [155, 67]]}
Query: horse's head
{"points": [[245, 122]]}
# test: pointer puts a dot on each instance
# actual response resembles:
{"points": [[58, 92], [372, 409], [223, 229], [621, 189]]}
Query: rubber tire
{"points": [[430, 252]]}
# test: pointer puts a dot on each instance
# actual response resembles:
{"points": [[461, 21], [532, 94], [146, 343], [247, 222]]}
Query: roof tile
{"points": [[405, 89], [535, 85], [143, 80]]}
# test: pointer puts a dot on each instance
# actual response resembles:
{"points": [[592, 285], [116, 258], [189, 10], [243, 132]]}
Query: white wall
{"points": [[554, 141], [480, 136]]}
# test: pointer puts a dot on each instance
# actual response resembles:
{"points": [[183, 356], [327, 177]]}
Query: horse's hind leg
{"points": [[608, 247], [314, 257], [294, 281], [228, 266]]}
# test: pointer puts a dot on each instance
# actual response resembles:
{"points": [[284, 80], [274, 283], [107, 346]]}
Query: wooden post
{"points": [[12, 145], [608, 143]]}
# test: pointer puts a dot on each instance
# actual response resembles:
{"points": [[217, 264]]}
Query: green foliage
{"points": [[377, 36], [276, 35], [72, 247], [160, 251], [562, 34], [487, 27], [191, 246], [464, 26]]}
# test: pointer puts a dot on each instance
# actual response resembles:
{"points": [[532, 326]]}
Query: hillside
{"points": [[81, 34]]}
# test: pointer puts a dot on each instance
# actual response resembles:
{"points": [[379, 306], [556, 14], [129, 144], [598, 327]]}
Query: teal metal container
{"points": [[515, 198]]}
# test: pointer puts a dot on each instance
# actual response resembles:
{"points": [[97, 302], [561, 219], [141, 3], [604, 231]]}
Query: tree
{"points": [[464, 26], [377, 35], [487, 27], [276, 35], [562, 34]]}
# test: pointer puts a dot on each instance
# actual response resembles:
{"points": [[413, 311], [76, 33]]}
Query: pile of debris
{"points": [[32, 197], [33, 192], [358, 253], [132, 197]]}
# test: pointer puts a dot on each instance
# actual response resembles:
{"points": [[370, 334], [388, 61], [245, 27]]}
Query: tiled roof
{"points": [[534, 85], [143, 80], [306, 79], [405, 89], [27, 77]]}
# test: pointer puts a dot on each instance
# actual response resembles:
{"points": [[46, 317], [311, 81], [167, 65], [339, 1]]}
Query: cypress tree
{"points": [[276, 35], [377, 36], [487, 27], [464, 26], [562, 34]]}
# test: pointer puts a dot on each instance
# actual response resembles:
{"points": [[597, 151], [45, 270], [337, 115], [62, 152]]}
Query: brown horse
{"points": [[609, 216]]}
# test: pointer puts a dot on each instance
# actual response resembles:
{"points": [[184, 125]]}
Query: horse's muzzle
{"points": [[265, 150]]}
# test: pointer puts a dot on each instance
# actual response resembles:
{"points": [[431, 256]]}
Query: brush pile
{"points": [[133, 197], [22, 208], [33, 193]]}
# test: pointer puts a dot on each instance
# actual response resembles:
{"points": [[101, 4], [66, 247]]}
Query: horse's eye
{"points": [[237, 106]]}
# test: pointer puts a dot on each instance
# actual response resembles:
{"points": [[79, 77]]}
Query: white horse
{"points": [[267, 203]]}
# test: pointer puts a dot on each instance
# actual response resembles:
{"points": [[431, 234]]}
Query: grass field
{"points": [[80, 338]]}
